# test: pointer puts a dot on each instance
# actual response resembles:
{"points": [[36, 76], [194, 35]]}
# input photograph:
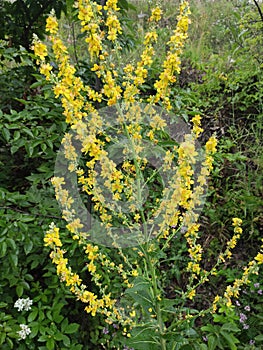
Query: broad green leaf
{"points": [[11, 243], [32, 316], [259, 338], [231, 340], [212, 342], [230, 327], [66, 340], [2, 337], [71, 328], [14, 259], [50, 344], [19, 290], [6, 134], [28, 246]]}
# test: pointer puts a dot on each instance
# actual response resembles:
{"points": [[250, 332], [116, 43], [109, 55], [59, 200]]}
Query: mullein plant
{"points": [[125, 240]]}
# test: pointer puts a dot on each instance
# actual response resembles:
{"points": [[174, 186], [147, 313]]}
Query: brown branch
{"points": [[259, 9]]}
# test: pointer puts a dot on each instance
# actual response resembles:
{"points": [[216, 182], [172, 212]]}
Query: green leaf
{"points": [[71, 328], [212, 342], [11, 243], [19, 290], [43, 147], [14, 259], [230, 327], [10, 343], [6, 134], [28, 132], [231, 340], [34, 329], [41, 315], [28, 247], [49, 316], [32, 316], [50, 344], [209, 328], [64, 324], [43, 338], [2, 337], [16, 135], [3, 248], [29, 149], [66, 340], [259, 338], [58, 336]]}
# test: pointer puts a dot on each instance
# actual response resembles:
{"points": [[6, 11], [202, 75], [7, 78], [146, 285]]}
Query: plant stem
{"points": [[157, 303]]}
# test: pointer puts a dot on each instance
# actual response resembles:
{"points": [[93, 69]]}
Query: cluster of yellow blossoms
{"points": [[232, 291], [100, 28]]}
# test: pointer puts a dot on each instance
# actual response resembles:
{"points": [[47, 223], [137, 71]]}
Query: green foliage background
{"points": [[221, 79]]}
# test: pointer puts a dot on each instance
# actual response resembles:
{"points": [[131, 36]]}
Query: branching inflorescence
{"points": [[117, 189]]}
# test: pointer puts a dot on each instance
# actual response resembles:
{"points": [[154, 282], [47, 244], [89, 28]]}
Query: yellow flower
{"points": [[74, 225], [211, 145], [111, 4], [135, 273], [40, 50], [196, 120], [237, 222], [137, 217], [52, 25], [52, 237], [259, 258], [191, 294], [45, 69], [91, 267], [156, 14]]}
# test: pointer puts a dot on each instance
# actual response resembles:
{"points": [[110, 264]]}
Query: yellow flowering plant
{"points": [[144, 173]]}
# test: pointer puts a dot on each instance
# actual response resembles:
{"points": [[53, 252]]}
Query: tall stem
{"points": [[149, 262], [157, 302]]}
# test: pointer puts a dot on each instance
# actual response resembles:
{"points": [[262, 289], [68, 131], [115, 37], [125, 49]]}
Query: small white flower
{"points": [[25, 330], [23, 304]]}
